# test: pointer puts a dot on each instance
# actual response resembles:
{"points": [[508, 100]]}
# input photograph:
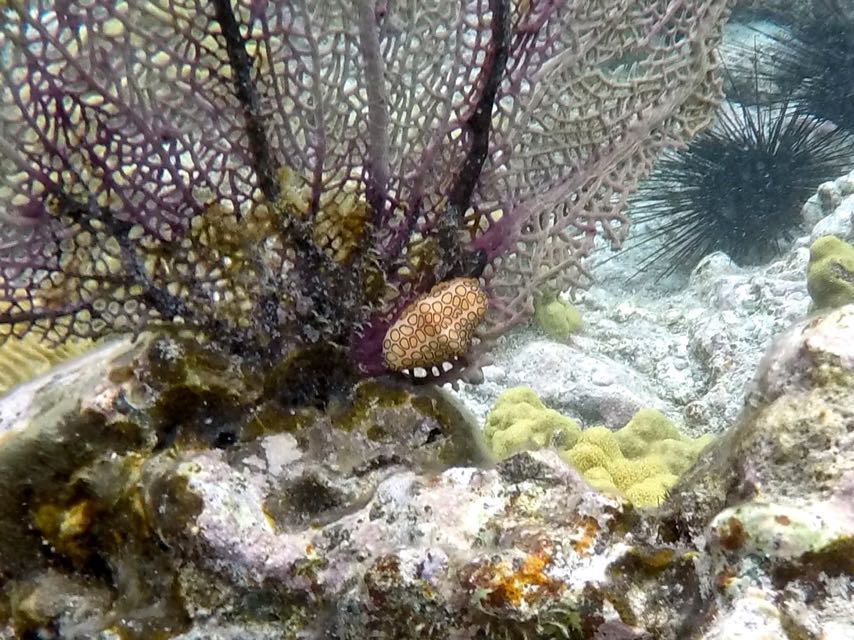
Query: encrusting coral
{"points": [[640, 461], [830, 273]]}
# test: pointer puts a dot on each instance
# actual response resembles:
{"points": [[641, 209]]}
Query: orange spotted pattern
{"points": [[436, 327]]}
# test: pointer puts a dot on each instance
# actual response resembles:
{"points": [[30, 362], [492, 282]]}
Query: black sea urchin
{"points": [[738, 187], [813, 63]]}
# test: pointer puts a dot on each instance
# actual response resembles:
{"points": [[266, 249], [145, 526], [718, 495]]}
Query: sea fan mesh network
{"points": [[253, 169]]}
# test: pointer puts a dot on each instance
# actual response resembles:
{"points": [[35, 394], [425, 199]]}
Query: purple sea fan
{"points": [[276, 174]]}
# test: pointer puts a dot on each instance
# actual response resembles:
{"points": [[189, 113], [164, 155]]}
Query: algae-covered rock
{"points": [[376, 515], [557, 318], [830, 273], [772, 498], [70, 515], [51, 427], [55, 600], [110, 463]]}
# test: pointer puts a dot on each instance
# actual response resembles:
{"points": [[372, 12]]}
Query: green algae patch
{"points": [[368, 397], [173, 360], [390, 414], [80, 509], [76, 456], [197, 417], [269, 418], [340, 455], [206, 399], [37, 463], [648, 562], [313, 376]]}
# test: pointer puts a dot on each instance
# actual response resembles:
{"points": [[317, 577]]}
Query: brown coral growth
{"points": [[500, 584], [436, 327]]}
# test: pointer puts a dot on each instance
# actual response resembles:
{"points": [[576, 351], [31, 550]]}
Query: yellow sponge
{"points": [[520, 421], [641, 461]]}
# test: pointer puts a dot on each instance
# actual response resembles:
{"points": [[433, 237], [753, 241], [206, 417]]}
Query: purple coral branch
{"points": [[478, 126], [479, 122], [67, 141], [378, 120], [244, 89]]}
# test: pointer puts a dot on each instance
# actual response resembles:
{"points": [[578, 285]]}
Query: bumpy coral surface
{"points": [[640, 461], [520, 421], [557, 318]]}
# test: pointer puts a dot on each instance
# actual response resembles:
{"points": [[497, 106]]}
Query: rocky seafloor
{"points": [[148, 490]]}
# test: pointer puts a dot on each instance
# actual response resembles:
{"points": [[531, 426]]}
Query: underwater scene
{"points": [[427, 319]]}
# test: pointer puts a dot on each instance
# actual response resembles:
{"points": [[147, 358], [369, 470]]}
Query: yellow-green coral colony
{"points": [[24, 358], [830, 273], [556, 318], [519, 421], [640, 461]]}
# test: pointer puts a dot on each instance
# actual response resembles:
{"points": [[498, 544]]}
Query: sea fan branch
{"points": [[378, 120], [245, 91]]}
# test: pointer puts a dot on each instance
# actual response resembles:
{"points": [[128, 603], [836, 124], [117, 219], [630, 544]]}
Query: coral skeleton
{"points": [[275, 174]]}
